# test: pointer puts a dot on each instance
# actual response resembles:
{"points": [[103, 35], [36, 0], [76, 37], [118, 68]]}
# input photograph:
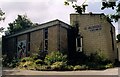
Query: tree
{"points": [[118, 37], [105, 4], [22, 22], [2, 15], [1, 18]]}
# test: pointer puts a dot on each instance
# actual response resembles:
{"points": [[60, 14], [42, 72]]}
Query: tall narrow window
{"points": [[46, 39], [79, 43], [46, 33]]}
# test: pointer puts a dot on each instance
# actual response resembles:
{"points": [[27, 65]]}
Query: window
{"points": [[46, 39], [46, 45], [46, 33], [79, 43]]}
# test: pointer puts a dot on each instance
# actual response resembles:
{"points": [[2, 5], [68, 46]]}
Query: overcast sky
{"points": [[41, 11]]}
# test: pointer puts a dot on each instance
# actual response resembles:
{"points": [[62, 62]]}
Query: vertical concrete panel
{"points": [[53, 37], [63, 40], [22, 37], [36, 41]]}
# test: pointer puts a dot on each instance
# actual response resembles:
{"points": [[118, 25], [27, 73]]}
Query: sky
{"points": [[40, 11]]}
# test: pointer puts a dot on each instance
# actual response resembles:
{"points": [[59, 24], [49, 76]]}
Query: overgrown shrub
{"points": [[27, 65], [43, 68], [77, 58], [26, 59], [58, 66], [9, 62], [118, 37], [80, 67], [35, 56], [97, 59], [55, 57], [110, 65], [77, 67], [38, 61], [69, 67], [14, 63]]}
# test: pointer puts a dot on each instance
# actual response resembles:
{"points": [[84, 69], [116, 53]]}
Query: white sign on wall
{"points": [[93, 27]]}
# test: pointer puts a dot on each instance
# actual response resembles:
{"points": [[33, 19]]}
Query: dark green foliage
{"points": [[80, 67], [114, 5], [56, 61], [58, 66], [9, 62], [69, 67], [108, 5], [1, 18], [55, 57], [26, 59], [40, 55], [110, 65], [43, 68], [118, 37], [35, 56], [78, 9], [66, 3], [77, 58], [38, 61], [2, 15], [22, 22]]}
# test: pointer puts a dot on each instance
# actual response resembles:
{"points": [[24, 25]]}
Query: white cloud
{"points": [[37, 11], [42, 10]]}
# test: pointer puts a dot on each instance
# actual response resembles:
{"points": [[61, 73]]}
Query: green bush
{"points": [[58, 66], [38, 61], [35, 56], [9, 62], [110, 65], [84, 67], [29, 65], [77, 67], [26, 59], [118, 37], [69, 67], [43, 67], [55, 57], [14, 63], [97, 59], [80, 67]]}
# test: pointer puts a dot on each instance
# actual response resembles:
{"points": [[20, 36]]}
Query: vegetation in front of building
{"points": [[56, 61], [118, 37]]}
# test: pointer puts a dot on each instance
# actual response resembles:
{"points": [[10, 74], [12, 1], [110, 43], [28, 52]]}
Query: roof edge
{"points": [[39, 26]]}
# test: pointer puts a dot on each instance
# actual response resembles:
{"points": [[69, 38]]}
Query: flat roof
{"points": [[41, 26]]}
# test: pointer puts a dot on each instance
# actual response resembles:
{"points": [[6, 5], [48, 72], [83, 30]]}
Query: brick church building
{"points": [[86, 33]]}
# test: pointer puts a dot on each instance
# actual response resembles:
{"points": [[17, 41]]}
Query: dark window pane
{"points": [[78, 42], [46, 33], [46, 44]]}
